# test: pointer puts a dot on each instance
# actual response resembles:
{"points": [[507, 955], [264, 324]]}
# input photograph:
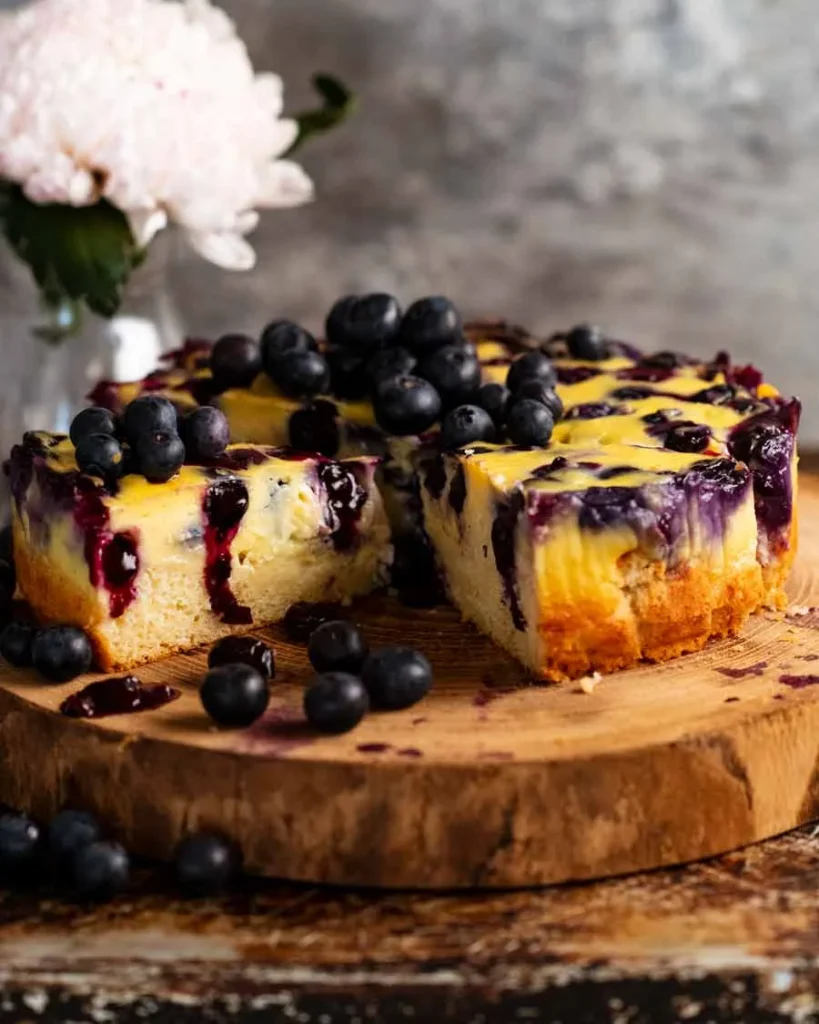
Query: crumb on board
{"points": [[588, 684], [799, 610]]}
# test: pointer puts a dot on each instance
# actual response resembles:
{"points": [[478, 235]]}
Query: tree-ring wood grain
{"points": [[490, 782]]}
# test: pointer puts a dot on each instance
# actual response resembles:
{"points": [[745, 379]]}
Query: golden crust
{"points": [[671, 613]]}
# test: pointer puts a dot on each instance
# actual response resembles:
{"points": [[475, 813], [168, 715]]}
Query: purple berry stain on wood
{"points": [[797, 682], [373, 748], [757, 669]]}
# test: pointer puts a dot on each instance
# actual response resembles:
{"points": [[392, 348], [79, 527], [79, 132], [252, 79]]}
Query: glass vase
{"points": [[53, 356]]}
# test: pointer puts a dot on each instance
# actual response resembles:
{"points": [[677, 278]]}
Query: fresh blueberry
{"points": [[406, 405], [388, 363], [529, 423], [99, 455], [206, 434], [160, 455], [235, 361], [348, 374], [205, 863], [495, 399], [335, 702], [243, 650], [429, 324], [19, 844], [542, 392], [397, 678], [586, 342], [303, 619], [68, 832], [101, 870], [7, 545], [281, 338], [465, 425], [315, 429], [532, 365], [15, 643], [303, 374], [61, 653], [365, 323], [454, 372], [688, 437], [148, 414], [337, 647], [94, 420], [235, 696]]}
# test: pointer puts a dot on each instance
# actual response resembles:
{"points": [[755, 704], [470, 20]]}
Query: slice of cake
{"points": [[152, 568]]}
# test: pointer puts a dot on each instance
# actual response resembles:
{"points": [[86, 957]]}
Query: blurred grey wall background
{"points": [[648, 164]]}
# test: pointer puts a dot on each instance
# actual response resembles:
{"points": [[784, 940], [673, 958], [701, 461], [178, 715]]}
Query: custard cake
{"points": [[147, 569]]}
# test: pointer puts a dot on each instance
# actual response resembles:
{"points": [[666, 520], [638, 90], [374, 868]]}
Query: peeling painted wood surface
{"points": [[734, 939]]}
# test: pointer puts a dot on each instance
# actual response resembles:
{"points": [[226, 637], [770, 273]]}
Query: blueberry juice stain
{"points": [[122, 696], [345, 499], [223, 508]]}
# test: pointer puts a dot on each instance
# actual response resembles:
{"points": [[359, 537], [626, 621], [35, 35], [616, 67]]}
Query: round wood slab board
{"points": [[490, 782]]}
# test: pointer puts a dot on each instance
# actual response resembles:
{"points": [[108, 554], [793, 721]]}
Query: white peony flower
{"points": [[152, 105]]}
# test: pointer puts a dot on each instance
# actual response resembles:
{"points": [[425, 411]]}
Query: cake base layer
{"points": [[490, 782]]}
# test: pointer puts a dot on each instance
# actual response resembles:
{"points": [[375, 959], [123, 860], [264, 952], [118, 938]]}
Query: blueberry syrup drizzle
{"points": [[593, 411], [224, 506], [345, 498], [123, 696], [575, 374], [504, 530]]}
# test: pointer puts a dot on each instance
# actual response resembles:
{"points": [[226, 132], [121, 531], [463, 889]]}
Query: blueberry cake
{"points": [[588, 504], [149, 567]]}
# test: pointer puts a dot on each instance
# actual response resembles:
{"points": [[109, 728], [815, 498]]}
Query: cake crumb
{"points": [[588, 684], [798, 610]]}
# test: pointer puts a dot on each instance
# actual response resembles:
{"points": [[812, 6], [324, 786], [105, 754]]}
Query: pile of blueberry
{"points": [[149, 438], [415, 366], [351, 680], [73, 853], [525, 409]]}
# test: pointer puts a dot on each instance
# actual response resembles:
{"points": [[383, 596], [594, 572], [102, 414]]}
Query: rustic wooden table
{"points": [[734, 939]]}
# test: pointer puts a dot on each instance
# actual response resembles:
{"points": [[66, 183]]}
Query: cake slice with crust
{"points": [[149, 569]]}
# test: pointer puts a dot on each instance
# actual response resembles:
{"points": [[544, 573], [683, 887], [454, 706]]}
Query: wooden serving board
{"points": [[490, 782]]}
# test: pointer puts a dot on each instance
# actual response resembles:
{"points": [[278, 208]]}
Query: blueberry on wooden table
{"points": [[68, 832], [243, 650], [61, 653], [204, 863], [337, 647], [100, 870], [396, 678], [335, 702], [235, 696], [19, 843], [15, 643]]}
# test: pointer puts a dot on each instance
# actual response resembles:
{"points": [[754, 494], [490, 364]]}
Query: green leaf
{"points": [[338, 103], [83, 254]]}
